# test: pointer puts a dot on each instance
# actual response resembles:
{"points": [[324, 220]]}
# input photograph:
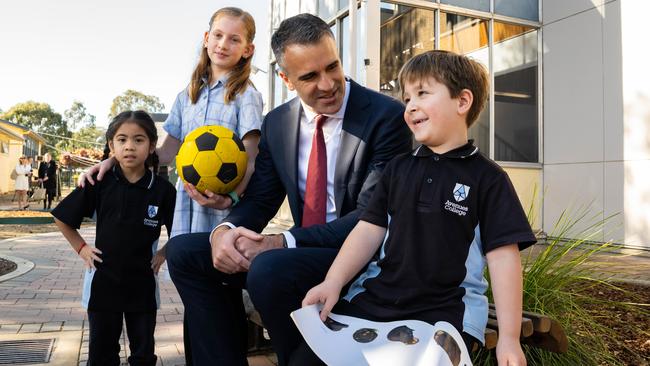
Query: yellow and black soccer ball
{"points": [[212, 158]]}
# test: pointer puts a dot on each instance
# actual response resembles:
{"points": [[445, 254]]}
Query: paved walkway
{"points": [[45, 303]]}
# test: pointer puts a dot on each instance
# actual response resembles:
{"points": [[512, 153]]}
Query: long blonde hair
{"points": [[239, 76]]}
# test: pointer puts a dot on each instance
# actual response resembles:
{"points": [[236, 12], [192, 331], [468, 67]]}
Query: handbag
{"points": [[39, 194], [14, 174]]}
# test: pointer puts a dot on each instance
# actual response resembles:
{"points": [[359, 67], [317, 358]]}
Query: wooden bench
{"points": [[537, 330]]}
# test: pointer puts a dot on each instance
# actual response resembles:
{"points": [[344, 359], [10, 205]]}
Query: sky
{"points": [[57, 52]]}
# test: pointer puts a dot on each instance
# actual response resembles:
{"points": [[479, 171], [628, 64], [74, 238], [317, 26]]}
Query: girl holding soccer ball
{"points": [[219, 93]]}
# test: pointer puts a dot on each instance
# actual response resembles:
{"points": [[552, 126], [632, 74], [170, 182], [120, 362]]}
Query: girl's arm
{"points": [[168, 150], [87, 253], [250, 142], [356, 252], [504, 264]]}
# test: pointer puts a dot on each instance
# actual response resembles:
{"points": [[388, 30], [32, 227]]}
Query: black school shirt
{"points": [[129, 217], [443, 213]]}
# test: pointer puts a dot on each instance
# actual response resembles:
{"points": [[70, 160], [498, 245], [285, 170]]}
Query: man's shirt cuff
{"points": [[218, 226], [291, 241]]}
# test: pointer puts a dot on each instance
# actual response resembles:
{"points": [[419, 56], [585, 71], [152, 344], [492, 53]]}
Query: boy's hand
{"points": [[207, 198], [90, 255], [158, 260], [327, 293], [509, 353]]}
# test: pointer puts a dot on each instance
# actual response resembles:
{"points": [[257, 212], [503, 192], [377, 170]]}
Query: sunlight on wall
{"points": [[526, 181]]}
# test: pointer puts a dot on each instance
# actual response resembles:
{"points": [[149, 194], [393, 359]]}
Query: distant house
{"points": [[16, 140]]}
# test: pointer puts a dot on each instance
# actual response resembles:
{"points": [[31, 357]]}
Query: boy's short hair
{"points": [[456, 72]]}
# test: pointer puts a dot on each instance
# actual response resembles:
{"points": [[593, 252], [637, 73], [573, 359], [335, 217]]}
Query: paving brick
{"points": [[30, 328], [51, 327], [9, 328]]}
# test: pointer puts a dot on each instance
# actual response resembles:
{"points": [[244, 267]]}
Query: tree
{"points": [[135, 100], [39, 117], [77, 116], [89, 137]]}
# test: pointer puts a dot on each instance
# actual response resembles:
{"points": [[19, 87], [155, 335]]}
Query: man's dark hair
{"points": [[302, 29]]}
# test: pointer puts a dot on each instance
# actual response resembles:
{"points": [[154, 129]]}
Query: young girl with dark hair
{"points": [[130, 205], [219, 93]]}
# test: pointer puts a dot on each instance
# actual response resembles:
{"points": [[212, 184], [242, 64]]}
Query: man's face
{"points": [[315, 73]]}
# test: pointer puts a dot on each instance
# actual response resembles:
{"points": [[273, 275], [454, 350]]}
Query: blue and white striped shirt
{"points": [[242, 115]]}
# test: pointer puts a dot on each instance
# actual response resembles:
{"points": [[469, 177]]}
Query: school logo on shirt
{"points": [[461, 192], [152, 211]]}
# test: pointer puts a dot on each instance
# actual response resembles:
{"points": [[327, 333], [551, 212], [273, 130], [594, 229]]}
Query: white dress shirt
{"points": [[332, 132]]}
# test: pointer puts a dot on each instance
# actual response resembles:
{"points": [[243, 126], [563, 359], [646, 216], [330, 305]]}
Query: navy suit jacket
{"points": [[373, 132]]}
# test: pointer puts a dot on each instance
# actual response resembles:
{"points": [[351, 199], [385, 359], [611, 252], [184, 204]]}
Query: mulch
{"points": [[632, 328], [6, 266]]}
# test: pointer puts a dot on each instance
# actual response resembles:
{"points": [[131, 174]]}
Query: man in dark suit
{"points": [[325, 150]]}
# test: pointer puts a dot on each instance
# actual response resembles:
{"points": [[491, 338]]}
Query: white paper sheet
{"points": [[411, 343]]}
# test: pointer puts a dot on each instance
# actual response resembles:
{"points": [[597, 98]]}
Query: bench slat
{"points": [[526, 324], [554, 340], [541, 323]]}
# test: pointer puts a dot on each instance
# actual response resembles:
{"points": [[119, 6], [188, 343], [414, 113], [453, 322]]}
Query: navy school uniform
{"points": [[443, 213], [129, 219]]}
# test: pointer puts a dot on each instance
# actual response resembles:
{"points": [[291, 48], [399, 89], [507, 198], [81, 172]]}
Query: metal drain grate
{"points": [[25, 351]]}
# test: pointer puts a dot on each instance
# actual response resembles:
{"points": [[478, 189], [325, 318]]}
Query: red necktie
{"points": [[316, 186]]}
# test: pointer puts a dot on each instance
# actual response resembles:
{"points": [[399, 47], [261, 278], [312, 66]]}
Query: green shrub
{"points": [[556, 276]]}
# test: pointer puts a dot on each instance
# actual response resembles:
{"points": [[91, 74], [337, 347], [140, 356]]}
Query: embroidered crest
{"points": [[152, 211], [461, 192]]}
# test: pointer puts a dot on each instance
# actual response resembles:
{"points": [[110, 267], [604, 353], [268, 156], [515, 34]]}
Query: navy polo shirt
{"points": [[129, 218], [443, 213]]}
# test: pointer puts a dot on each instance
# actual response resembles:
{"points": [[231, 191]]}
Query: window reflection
{"points": [[515, 93], [405, 32], [483, 5], [527, 9], [278, 86], [469, 36], [327, 8], [345, 44]]}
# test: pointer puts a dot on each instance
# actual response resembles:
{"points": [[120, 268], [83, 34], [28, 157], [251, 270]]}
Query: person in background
{"points": [[49, 181], [23, 171]]}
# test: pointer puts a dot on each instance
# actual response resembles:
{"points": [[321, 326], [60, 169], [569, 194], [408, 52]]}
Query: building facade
{"points": [[568, 114], [15, 141]]}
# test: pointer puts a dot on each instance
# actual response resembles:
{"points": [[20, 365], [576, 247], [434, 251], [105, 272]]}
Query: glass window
{"points": [[515, 93], [308, 6], [278, 13], [526, 9], [4, 147], [327, 8], [278, 86], [469, 36], [345, 44], [344, 4], [483, 5], [405, 32]]}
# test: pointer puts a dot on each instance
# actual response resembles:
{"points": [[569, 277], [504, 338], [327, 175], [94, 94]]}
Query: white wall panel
{"points": [[571, 187], [573, 89]]}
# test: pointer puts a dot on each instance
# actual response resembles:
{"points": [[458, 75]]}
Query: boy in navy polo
{"points": [[436, 216]]}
